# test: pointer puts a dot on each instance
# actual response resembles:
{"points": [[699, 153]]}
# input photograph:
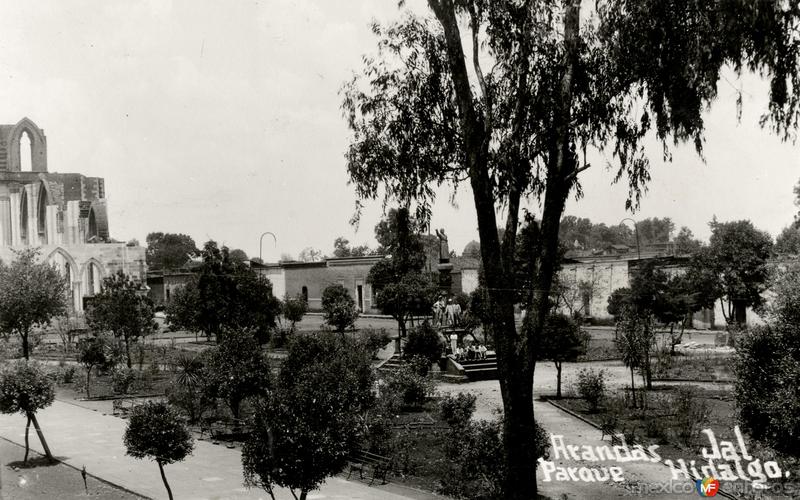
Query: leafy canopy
{"points": [[169, 250], [31, 294], [308, 424], [338, 307], [157, 432], [225, 294], [122, 308], [235, 369], [25, 388]]}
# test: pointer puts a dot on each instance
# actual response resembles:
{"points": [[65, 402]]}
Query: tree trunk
{"points": [[558, 380], [514, 352], [164, 478], [27, 446], [672, 339], [235, 405], [633, 389], [402, 332], [303, 494], [128, 351], [88, 380], [25, 352], [32, 417]]}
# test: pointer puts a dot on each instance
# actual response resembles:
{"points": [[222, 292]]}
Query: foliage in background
{"points": [[338, 308], [92, 352], [732, 268], [236, 369], [562, 339], [155, 431], [768, 368], [225, 295], [307, 425], [412, 388], [31, 294], [169, 250], [402, 288], [342, 248], [424, 341], [123, 308], [293, 309], [591, 387]]}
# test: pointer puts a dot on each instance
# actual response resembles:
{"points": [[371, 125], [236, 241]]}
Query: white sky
{"points": [[221, 120]]}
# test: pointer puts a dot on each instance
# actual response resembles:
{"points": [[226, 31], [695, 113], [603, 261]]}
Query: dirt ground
{"points": [[57, 481]]}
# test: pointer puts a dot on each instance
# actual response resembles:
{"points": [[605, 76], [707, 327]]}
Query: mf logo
{"points": [[707, 487]]}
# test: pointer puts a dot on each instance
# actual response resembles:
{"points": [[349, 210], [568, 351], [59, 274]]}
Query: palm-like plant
{"points": [[190, 370]]}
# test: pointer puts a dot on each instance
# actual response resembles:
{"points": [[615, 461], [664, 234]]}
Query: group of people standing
{"points": [[446, 312]]}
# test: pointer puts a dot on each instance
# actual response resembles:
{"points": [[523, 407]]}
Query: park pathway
{"points": [[642, 479], [82, 437]]}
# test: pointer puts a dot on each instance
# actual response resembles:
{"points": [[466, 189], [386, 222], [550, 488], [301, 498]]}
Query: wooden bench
{"points": [[379, 465], [122, 407]]}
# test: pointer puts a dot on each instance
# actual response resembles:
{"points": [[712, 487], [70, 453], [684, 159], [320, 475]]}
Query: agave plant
{"points": [[190, 369]]}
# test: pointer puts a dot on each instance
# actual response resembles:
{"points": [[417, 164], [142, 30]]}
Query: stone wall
{"points": [[87, 265]]}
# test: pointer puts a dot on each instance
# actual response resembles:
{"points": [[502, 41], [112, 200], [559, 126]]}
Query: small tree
{"points": [[339, 308], [31, 294], [25, 388], [235, 370], [123, 309], [91, 353], [155, 431], [561, 340], [305, 428], [67, 328], [226, 294], [187, 392], [592, 387], [633, 342], [411, 295], [737, 257], [293, 309]]}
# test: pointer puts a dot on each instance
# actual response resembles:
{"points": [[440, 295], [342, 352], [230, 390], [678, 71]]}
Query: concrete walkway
{"points": [[79, 436]]}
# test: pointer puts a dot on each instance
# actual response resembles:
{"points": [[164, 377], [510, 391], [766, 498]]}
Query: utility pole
{"points": [[261, 241]]}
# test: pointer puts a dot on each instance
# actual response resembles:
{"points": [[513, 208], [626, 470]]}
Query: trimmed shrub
{"points": [[457, 409], [412, 388], [592, 387], [375, 339], [423, 341]]}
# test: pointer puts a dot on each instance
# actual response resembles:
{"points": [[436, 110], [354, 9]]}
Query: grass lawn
{"points": [[699, 367]]}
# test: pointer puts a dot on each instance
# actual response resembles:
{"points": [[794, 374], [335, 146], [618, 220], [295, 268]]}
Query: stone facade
{"points": [[65, 215], [309, 279]]}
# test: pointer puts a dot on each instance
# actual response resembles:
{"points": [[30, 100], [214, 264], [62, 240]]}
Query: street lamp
{"points": [[636, 232], [261, 240]]}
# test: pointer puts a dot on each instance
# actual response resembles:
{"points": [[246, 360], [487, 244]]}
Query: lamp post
{"points": [[635, 232], [261, 241]]}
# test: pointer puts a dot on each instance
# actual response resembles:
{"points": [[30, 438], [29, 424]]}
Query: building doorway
{"points": [[360, 296]]}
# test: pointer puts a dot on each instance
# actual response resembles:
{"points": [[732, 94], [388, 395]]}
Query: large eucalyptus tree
{"points": [[509, 95]]}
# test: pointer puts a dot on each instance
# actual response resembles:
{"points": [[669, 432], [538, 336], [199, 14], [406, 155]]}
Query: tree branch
{"points": [[487, 103]]}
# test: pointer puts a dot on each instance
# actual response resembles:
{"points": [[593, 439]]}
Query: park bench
{"points": [[379, 465], [122, 407]]}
